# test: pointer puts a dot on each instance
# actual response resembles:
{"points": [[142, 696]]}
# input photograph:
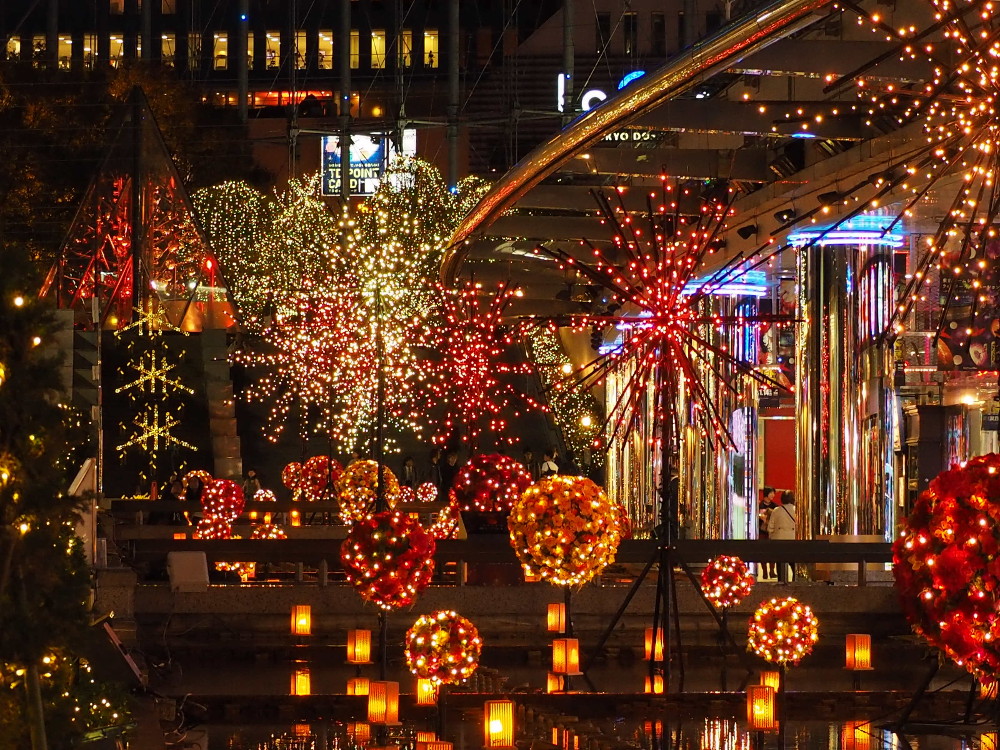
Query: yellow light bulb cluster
{"points": [[443, 647], [357, 488], [564, 529], [783, 631]]}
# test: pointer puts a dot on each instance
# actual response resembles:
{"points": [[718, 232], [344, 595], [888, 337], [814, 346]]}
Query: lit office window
{"points": [[117, 7], [273, 49], [89, 50], [355, 48], [38, 49], [13, 48], [220, 51], [168, 47], [430, 48], [300, 49], [194, 51], [116, 53], [404, 49], [378, 48], [249, 50], [325, 60], [65, 52], [168, 7]]}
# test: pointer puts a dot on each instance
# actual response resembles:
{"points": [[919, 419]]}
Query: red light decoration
{"points": [[291, 476], [656, 279], [783, 631], [564, 529], [443, 647], [427, 492], [726, 581], [471, 379], [407, 495], [318, 473], [946, 567], [268, 531], [357, 489], [211, 527], [445, 525], [388, 558], [490, 482], [223, 499]]}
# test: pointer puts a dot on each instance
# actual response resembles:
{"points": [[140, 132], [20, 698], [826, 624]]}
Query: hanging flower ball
{"points": [[564, 529], [223, 499], [211, 527], [443, 647], [624, 522], [490, 483], [264, 496], [726, 581], [427, 492], [407, 495], [268, 531], [291, 475], [357, 489], [389, 558], [445, 525], [946, 562], [203, 476], [318, 473], [782, 631]]}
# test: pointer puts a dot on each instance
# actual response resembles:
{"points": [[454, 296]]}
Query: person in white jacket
{"points": [[781, 525]]}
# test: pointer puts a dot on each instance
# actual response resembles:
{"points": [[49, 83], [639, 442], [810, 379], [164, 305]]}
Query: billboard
{"points": [[370, 153]]}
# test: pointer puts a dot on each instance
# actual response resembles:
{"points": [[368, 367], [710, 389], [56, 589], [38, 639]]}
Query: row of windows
{"points": [[381, 46], [628, 23]]}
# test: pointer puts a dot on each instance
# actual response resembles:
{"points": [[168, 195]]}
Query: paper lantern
{"points": [[296, 518], [358, 686], [556, 618], [359, 646], [760, 707], [654, 685], [383, 702], [859, 652], [360, 732], [771, 679], [434, 745], [856, 735], [425, 737], [566, 656], [555, 683], [180, 535], [301, 619], [301, 682], [988, 741], [988, 689], [498, 724], [654, 651], [427, 692]]}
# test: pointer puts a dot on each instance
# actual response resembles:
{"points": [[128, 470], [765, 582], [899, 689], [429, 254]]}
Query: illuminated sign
{"points": [[370, 153], [864, 229], [591, 97]]}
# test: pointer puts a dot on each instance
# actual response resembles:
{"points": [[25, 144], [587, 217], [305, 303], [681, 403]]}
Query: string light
{"points": [[783, 631], [443, 647]]}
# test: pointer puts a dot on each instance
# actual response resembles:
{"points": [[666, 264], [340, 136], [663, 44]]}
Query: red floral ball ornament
{"points": [[291, 475], [223, 499], [211, 527], [389, 558], [726, 581], [443, 647], [947, 564], [318, 473], [490, 483], [783, 631]]}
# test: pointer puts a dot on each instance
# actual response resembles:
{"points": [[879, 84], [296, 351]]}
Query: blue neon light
{"points": [[629, 77], [803, 134], [749, 284], [866, 229]]}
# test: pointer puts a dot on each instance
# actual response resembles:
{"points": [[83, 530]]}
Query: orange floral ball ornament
{"points": [[211, 527], [291, 476], [443, 647], [564, 529], [946, 562], [726, 581], [783, 631], [268, 531], [445, 524], [357, 489], [389, 558]]}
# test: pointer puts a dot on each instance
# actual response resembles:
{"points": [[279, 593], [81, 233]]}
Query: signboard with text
{"points": [[370, 153]]}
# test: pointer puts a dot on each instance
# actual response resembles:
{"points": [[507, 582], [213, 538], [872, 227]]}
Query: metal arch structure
{"points": [[717, 53], [135, 243]]}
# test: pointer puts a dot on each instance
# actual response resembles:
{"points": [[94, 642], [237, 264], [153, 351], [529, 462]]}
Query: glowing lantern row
{"points": [[761, 707], [383, 702], [498, 724], [566, 656]]}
